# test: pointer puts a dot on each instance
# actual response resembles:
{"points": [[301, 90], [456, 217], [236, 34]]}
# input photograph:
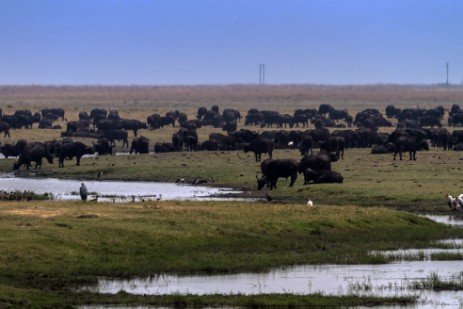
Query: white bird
{"points": [[309, 203], [455, 203]]}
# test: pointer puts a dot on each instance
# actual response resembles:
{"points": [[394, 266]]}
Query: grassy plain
{"points": [[47, 250]]}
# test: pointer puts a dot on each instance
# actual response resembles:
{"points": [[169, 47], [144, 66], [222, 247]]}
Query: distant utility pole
{"points": [[447, 67], [262, 74]]}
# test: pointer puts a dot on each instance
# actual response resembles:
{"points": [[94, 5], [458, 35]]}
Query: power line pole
{"points": [[447, 67], [261, 74]]}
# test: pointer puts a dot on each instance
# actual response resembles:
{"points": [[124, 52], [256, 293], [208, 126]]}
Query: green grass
{"points": [[47, 249], [434, 282], [369, 180]]}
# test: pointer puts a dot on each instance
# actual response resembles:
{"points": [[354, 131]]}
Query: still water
{"points": [[117, 191], [393, 279]]}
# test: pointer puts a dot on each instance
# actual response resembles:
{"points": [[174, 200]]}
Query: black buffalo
{"points": [[259, 146], [306, 144], [59, 112], [154, 121], [272, 169], [318, 161], [102, 146], [9, 150], [456, 119], [119, 135], [429, 121], [5, 128], [108, 124], [132, 124], [210, 145], [73, 126], [334, 144], [324, 109], [322, 176], [140, 145], [163, 147], [32, 152], [71, 150], [410, 144]]}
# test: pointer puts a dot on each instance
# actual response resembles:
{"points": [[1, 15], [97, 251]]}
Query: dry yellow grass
{"points": [[137, 102]]}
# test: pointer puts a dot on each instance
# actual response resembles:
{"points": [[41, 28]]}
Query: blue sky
{"points": [[195, 42]]}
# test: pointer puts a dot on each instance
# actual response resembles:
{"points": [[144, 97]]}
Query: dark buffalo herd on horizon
{"points": [[332, 132]]}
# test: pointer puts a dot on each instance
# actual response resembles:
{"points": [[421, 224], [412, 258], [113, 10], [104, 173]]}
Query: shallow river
{"points": [[380, 280], [116, 191]]}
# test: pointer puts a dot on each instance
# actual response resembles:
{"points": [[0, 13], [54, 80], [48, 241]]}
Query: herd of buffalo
{"points": [[328, 129]]}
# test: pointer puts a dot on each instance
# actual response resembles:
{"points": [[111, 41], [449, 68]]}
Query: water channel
{"points": [[115, 191], [394, 279]]}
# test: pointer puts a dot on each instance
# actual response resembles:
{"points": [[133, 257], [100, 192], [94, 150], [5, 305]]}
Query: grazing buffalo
{"points": [[229, 126], [324, 109], [274, 169], [33, 152], [334, 144], [318, 161], [102, 146], [119, 135], [5, 128], [46, 123], [190, 140], [84, 116], [392, 111], [108, 124], [9, 150], [71, 150], [259, 146], [24, 118], [321, 176], [140, 145], [73, 126], [456, 119], [154, 121], [430, 121], [337, 114], [58, 112], [408, 143], [305, 145], [114, 115], [81, 133], [132, 124]]}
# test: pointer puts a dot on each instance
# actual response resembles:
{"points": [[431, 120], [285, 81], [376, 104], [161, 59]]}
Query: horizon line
{"points": [[237, 84]]}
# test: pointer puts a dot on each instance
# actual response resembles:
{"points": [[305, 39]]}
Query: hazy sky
{"points": [[164, 42]]}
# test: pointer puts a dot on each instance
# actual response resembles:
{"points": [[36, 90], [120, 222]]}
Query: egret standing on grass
{"points": [[83, 192]]}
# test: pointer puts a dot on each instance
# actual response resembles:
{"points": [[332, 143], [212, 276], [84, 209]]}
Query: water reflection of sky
{"points": [[121, 190], [380, 280], [392, 279]]}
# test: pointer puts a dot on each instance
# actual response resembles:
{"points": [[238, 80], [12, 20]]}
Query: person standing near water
{"points": [[83, 192]]}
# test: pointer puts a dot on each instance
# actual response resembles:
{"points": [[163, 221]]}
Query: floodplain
{"points": [[52, 248]]}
